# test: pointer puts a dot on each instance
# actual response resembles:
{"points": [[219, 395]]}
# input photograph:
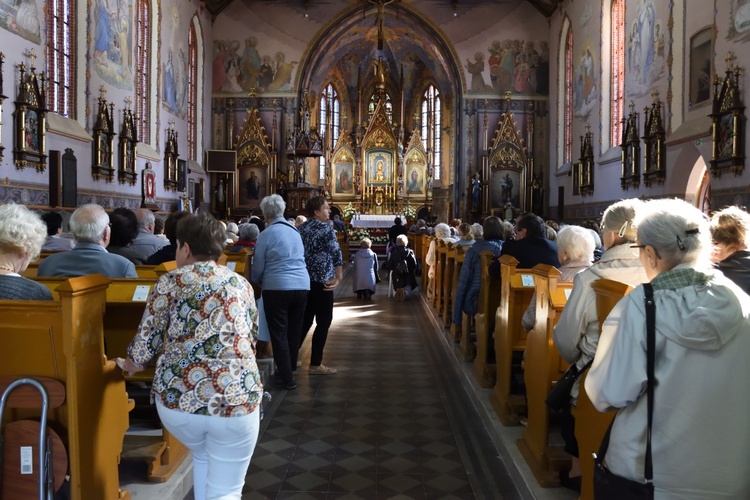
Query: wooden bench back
{"points": [[441, 250], [63, 340], [446, 303], [591, 425], [489, 299], [543, 366], [517, 287]]}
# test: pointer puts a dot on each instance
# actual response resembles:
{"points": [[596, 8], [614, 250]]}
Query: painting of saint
{"points": [[379, 169], [344, 180], [251, 186], [415, 182], [22, 18], [111, 28], [506, 188]]}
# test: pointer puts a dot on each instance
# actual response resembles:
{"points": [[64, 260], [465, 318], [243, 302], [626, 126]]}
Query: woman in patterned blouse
{"points": [[200, 324], [324, 261]]}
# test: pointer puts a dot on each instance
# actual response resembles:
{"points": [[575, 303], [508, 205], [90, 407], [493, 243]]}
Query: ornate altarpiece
{"points": [[342, 179], [507, 167], [631, 151], [728, 123], [103, 156], [127, 148], [253, 163], [654, 140], [30, 116], [417, 179], [381, 166], [171, 154]]}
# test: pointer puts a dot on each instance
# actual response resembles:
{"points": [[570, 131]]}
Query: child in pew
{"points": [[365, 271]]}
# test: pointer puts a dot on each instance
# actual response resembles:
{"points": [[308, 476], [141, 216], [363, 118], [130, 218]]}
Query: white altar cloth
{"points": [[372, 221]]}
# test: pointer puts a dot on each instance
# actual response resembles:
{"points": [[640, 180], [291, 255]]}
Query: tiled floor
{"points": [[395, 422]]}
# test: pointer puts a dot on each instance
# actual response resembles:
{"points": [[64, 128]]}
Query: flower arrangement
{"points": [[409, 212], [349, 212]]}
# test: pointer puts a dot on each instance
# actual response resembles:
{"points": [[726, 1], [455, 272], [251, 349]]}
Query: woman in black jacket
{"points": [[403, 265], [730, 229]]}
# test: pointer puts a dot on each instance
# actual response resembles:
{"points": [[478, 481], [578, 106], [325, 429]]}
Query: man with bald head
{"points": [[147, 243], [90, 227]]}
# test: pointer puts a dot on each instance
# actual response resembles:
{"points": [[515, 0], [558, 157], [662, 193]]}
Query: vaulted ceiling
{"points": [[546, 7]]}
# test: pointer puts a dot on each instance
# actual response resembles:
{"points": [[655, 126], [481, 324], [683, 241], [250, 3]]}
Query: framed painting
{"points": [[30, 119], [379, 167], [507, 187], [415, 179], [148, 189], [252, 186], [343, 182], [700, 67]]}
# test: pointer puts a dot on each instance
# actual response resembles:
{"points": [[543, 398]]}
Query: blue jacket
{"points": [[279, 260], [470, 279], [87, 258]]}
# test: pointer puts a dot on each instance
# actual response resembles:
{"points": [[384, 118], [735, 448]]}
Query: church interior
{"points": [[424, 109]]}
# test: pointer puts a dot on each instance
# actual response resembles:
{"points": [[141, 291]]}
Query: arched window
{"points": [[143, 69], [192, 94], [329, 124], [374, 103], [566, 96], [617, 71], [61, 56], [431, 127]]}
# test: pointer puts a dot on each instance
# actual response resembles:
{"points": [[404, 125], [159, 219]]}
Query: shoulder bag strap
{"points": [[650, 354]]}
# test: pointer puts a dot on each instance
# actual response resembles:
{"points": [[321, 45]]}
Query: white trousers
{"points": [[221, 446]]}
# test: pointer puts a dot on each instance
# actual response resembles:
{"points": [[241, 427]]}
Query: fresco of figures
{"points": [[521, 67], [739, 17], [237, 69], [585, 88], [645, 51], [112, 34], [22, 18]]}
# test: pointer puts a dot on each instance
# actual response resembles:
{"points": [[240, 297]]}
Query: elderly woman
{"points": [[700, 434], [465, 235], [442, 232], [279, 268], [730, 230], [248, 234], [22, 234], [402, 275], [324, 265], [365, 264], [575, 251], [124, 226], [470, 278], [233, 232], [206, 386], [576, 334]]}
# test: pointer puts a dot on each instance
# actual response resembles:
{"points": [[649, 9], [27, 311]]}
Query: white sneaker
{"points": [[322, 370]]}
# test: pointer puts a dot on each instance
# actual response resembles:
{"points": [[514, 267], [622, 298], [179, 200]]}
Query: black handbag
{"points": [[559, 397], [611, 486]]}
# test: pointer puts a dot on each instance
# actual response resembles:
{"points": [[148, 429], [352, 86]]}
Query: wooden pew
{"points": [[146, 271], [591, 425], [344, 246], [457, 330], [489, 298], [63, 340], [543, 366], [448, 284], [517, 287], [437, 296], [241, 262], [123, 314]]}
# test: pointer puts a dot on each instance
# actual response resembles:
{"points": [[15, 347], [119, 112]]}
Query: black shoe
{"points": [[290, 386], [359, 295], [572, 483]]}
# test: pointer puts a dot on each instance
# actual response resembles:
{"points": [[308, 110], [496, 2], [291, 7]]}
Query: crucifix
{"points": [[380, 4], [31, 54]]}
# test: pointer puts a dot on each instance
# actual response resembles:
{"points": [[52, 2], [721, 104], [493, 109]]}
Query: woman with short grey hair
{"points": [[273, 207], [442, 232], [248, 234], [701, 350], [22, 234]]}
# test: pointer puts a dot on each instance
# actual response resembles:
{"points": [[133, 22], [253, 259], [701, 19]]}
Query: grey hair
{"points": [[232, 228], [21, 230], [577, 242], [89, 222], [619, 217], [249, 232], [595, 235], [402, 240], [443, 231], [273, 206], [677, 230], [477, 230], [145, 217]]}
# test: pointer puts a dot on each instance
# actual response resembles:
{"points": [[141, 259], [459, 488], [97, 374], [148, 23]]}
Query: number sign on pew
{"points": [[590, 423], [62, 339], [510, 337], [543, 366]]}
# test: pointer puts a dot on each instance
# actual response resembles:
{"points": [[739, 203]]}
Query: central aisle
{"points": [[394, 422]]}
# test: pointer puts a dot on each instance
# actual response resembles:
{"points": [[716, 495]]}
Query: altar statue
{"points": [[380, 72]]}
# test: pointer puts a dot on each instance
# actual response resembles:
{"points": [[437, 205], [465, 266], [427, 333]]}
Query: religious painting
{"points": [[645, 50], [174, 71], [415, 180], [700, 67], [30, 119], [31, 129], [238, 69], [148, 178], [739, 17], [507, 187], [112, 31], [586, 85], [379, 167], [343, 178], [22, 18], [252, 186], [517, 66]]}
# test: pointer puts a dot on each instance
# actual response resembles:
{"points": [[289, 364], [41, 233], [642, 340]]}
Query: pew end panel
{"points": [[517, 288], [591, 425], [489, 299]]}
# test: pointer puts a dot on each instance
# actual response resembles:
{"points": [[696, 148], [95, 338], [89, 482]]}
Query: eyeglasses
{"points": [[637, 246]]}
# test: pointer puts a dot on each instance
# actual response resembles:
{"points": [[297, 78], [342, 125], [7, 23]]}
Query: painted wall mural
{"points": [[113, 41], [22, 18], [521, 67], [739, 17], [586, 85], [645, 56], [174, 68], [240, 71]]}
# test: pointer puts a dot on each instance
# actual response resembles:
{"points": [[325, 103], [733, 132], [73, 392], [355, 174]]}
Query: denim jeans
{"points": [[282, 308], [221, 446]]}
